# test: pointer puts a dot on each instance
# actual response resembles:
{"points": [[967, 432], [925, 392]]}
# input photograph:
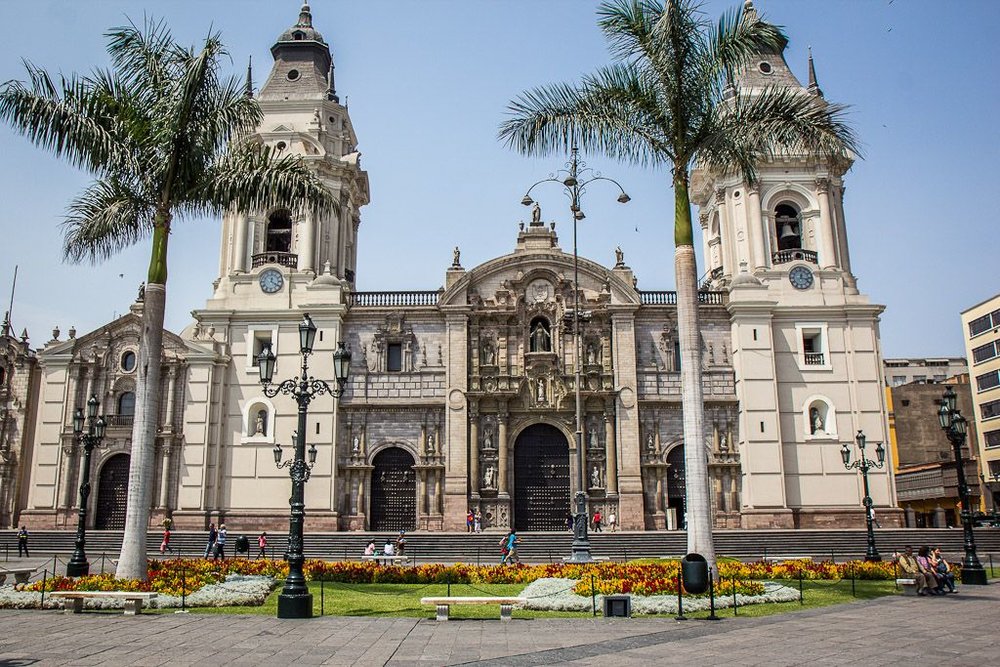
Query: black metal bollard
{"points": [[895, 572], [854, 591], [448, 580], [991, 565], [593, 595], [45, 576], [711, 599], [322, 596], [680, 600], [801, 598], [736, 611], [183, 589]]}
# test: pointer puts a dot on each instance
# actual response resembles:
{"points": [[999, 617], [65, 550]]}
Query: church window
{"points": [[298, 35], [293, 74], [3, 376], [126, 404], [540, 335], [128, 361], [814, 353], [765, 67], [279, 232], [257, 340], [394, 357], [788, 225]]}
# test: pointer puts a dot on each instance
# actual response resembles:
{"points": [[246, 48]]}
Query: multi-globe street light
{"points": [[574, 179], [295, 600], [956, 427], [864, 465], [78, 564]]}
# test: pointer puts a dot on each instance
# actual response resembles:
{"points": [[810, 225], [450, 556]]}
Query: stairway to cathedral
{"points": [[536, 547]]}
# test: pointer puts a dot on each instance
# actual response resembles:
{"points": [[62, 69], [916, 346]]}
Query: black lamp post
{"points": [[78, 565], [955, 427], [295, 600], [864, 465], [575, 178]]}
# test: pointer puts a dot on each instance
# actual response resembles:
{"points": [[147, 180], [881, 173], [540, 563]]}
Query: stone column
{"points": [[168, 418], [502, 437], [307, 247], [827, 255], [611, 454], [756, 227], [165, 475], [474, 452], [240, 250]]}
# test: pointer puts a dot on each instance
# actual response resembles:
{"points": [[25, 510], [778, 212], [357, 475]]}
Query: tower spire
{"points": [[331, 91], [305, 17], [249, 84], [813, 86]]}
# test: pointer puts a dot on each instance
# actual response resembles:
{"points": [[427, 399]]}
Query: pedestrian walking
{"points": [[22, 542], [512, 541], [597, 521], [220, 543], [468, 521], [477, 522], [504, 548], [401, 544], [213, 534], [165, 544], [569, 521], [612, 522], [262, 545]]}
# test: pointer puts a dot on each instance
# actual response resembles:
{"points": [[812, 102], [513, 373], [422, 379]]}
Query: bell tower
{"points": [[302, 116], [806, 349]]}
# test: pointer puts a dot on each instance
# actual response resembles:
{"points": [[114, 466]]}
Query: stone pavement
{"points": [[952, 630]]}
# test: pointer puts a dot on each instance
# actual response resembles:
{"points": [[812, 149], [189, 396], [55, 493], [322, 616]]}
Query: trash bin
{"points": [[618, 605], [242, 545], [694, 572]]}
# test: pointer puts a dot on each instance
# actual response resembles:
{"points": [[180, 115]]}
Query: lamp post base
{"points": [[974, 576], [76, 568], [295, 606]]}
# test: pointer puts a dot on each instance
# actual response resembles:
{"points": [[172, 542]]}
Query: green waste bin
{"points": [[694, 572]]}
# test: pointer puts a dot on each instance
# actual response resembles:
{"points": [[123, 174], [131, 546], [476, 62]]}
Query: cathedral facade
{"points": [[464, 397]]}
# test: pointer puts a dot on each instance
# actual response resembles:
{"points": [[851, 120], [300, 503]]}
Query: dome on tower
{"points": [[303, 30]]}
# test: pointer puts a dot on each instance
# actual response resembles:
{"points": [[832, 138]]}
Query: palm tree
{"points": [[668, 100], [165, 138]]}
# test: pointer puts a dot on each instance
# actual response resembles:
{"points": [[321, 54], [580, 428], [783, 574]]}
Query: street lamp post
{"points": [[955, 427], [78, 565], [864, 465], [295, 600], [574, 179]]}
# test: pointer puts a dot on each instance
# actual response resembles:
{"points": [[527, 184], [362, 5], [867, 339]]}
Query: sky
{"points": [[427, 84]]}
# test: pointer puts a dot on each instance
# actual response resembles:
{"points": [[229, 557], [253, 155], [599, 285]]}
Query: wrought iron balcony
{"points": [[792, 255], [814, 359], [289, 259], [119, 420]]}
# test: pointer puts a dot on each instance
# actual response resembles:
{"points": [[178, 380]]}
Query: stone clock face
{"points": [[271, 281], [800, 277]]}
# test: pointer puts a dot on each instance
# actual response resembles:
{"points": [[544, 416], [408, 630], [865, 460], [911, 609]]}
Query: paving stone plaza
{"points": [[887, 631]]}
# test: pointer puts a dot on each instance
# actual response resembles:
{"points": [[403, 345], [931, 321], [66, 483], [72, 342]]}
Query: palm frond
{"points": [[104, 219], [738, 38]]}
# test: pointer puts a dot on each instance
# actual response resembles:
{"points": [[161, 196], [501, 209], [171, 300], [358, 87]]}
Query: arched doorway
{"points": [[394, 491], [677, 484], [112, 493], [541, 479]]}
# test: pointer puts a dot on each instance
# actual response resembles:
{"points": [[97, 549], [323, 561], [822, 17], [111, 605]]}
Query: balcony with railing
{"points": [[814, 359], [669, 298], [119, 420], [289, 259], [793, 255], [394, 299]]}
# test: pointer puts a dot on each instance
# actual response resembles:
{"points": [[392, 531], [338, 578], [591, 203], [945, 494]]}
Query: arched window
{"points": [[540, 335], [788, 226], [126, 404], [3, 376], [258, 421], [279, 232]]}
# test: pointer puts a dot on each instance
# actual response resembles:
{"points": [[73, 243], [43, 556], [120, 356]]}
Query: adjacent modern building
{"points": [[462, 395], [981, 329], [930, 370]]}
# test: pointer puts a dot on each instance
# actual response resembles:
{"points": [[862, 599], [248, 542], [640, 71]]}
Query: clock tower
{"points": [[806, 351]]}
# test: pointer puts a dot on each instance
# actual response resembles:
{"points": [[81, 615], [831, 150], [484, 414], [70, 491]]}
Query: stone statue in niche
{"points": [[540, 338], [430, 443], [259, 424], [594, 442], [489, 354], [650, 444], [536, 214], [356, 445], [488, 438], [591, 354], [540, 394], [595, 478], [724, 442], [489, 477], [816, 424]]}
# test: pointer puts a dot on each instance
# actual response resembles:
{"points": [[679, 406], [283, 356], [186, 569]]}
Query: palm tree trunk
{"points": [[132, 562], [698, 504]]}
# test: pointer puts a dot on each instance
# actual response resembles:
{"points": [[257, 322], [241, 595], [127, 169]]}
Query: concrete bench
{"points": [[442, 604], [388, 560], [21, 574], [133, 599], [909, 586]]}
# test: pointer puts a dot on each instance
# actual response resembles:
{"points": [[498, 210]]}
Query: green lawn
{"points": [[404, 600]]}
